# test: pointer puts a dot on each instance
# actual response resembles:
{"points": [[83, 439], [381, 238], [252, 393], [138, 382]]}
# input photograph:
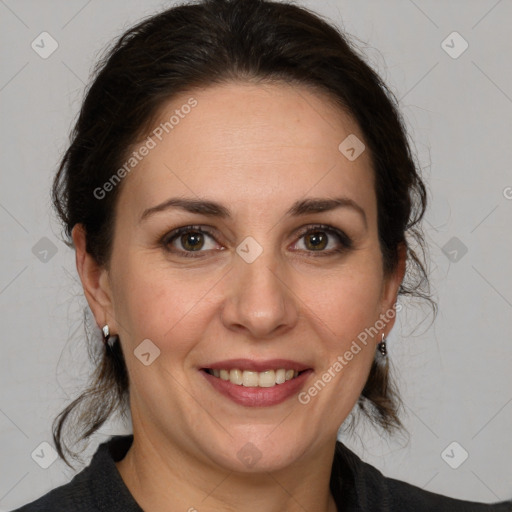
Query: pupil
{"points": [[317, 240], [192, 241]]}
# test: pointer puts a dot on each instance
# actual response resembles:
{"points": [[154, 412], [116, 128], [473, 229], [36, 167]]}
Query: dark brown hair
{"points": [[212, 42]]}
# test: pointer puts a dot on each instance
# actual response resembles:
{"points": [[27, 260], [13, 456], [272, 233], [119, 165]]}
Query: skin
{"points": [[256, 149]]}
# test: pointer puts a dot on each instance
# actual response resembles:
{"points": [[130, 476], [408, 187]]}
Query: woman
{"points": [[241, 198]]}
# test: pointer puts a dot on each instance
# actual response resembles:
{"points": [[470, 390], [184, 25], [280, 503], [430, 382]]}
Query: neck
{"points": [[164, 478]]}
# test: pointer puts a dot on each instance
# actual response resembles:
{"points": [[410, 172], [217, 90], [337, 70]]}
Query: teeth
{"points": [[236, 377], [250, 379], [266, 379], [280, 376]]}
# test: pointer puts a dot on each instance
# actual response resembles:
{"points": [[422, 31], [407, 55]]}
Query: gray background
{"points": [[455, 375]]}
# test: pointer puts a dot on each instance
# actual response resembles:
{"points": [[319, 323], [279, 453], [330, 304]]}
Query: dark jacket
{"points": [[355, 485]]}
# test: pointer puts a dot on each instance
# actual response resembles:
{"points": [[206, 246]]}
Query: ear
{"points": [[95, 281], [392, 285]]}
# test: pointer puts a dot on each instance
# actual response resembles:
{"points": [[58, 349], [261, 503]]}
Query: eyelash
{"points": [[345, 242]]}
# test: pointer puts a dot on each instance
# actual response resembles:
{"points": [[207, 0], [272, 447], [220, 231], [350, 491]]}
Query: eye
{"points": [[321, 237], [189, 239]]}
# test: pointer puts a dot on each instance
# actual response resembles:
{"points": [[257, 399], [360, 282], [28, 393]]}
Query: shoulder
{"points": [[97, 488], [75, 495], [410, 497], [370, 490]]}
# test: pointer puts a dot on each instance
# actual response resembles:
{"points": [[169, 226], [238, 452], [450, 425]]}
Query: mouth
{"points": [[251, 388], [254, 379], [257, 383]]}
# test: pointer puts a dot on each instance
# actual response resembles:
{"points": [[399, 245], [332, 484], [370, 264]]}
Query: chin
{"points": [[259, 451]]}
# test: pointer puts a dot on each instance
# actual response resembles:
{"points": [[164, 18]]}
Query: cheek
{"points": [[172, 307], [347, 302], [162, 305]]}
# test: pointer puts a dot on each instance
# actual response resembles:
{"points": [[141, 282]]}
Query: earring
{"points": [[382, 346], [106, 334]]}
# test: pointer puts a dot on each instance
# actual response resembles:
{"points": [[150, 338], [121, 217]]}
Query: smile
{"points": [[252, 388], [247, 378]]}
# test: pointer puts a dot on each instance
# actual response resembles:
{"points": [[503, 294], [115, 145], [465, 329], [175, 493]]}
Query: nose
{"points": [[259, 300]]}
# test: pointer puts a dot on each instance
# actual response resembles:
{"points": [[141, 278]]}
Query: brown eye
{"points": [[189, 239], [324, 240], [316, 240], [192, 241]]}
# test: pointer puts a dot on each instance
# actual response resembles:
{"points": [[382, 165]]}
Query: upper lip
{"points": [[257, 366]]}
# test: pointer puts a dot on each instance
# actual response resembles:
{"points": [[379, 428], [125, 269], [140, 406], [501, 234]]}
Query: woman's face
{"points": [[281, 270]]}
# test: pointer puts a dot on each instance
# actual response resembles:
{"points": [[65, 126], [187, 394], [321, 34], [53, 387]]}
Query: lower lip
{"points": [[256, 396]]}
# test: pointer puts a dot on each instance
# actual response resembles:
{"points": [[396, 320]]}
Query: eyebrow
{"points": [[213, 209]]}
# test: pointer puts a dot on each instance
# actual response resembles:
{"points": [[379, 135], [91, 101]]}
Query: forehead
{"points": [[252, 145]]}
